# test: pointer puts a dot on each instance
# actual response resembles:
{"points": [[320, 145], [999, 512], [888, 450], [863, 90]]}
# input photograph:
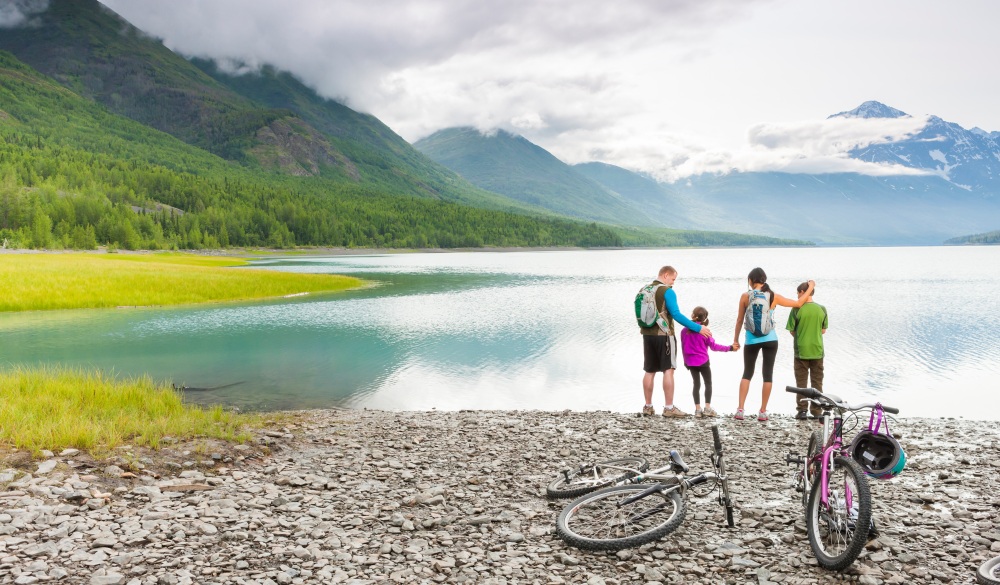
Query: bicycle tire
{"points": [[835, 543], [587, 478], [989, 572], [810, 468], [597, 521], [727, 500]]}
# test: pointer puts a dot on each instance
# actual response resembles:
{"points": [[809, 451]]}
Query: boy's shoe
{"points": [[648, 411], [709, 412], [673, 412], [698, 413], [801, 415], [762, 416], [739, 414]]}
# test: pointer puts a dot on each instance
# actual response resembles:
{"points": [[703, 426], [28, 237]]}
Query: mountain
{"points": [[659, 201], [958, 192], [267, 119], [109, 137], [968, 159], [511, 165]]}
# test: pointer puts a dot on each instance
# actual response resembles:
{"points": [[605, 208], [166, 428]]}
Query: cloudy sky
{"points": [[672, 87]]}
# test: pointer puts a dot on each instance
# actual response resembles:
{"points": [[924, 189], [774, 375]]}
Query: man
{"points": [[808, 324], [659, 343]]}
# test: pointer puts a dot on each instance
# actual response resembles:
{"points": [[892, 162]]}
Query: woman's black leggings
{"points": [[770, 349], [705, 371]]}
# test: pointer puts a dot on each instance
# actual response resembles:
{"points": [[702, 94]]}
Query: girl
{"points": [[766, 340], [695, 348]]}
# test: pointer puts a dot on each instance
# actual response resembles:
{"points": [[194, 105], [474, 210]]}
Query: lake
{"points": [[915, 328]]}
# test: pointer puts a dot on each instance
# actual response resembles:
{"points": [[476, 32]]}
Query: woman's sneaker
{"points": [[709, 412], [739, 414], [698, 413], [762, 416]]}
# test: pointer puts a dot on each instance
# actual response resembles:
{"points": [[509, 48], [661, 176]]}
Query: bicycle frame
{"points": [[833, 445]]}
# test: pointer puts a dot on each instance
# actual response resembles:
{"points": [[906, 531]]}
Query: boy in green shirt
{"points": [[807, 324]]}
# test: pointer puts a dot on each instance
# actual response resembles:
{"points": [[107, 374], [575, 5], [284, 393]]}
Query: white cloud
{"points": [[16, 13], [670, 87]]}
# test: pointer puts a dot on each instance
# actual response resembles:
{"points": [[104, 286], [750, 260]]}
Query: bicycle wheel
{"points": [[574, 483], [724, 498], [838, 529], [602, 521], [989, 572], [811, 467]]}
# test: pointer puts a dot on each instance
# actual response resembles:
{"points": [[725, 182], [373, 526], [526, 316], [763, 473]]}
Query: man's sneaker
{"points": [[801, 415], [648, 411], [673, 411], [762, 416], [698, 413], [739, 414], [709, 412]]}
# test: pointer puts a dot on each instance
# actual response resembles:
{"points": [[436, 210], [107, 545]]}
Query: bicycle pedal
{"points": [[794, 459]]}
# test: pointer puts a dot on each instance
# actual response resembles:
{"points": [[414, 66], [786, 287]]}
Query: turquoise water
{"points": [[913, 327]]}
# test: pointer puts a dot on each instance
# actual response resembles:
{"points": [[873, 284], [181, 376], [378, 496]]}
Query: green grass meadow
{"points": [[38, 282], [56, 408]]}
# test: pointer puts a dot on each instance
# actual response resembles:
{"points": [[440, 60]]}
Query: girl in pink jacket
{"points": [[695, 348]]}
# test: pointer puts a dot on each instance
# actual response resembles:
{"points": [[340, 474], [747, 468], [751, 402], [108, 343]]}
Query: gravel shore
{"points": [[348, 496]]}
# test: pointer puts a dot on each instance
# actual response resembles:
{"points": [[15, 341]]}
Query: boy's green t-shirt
{"points": [[808, 323]]}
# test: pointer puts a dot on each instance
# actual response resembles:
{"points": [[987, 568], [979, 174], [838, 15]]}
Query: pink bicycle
{"points": [[833, 478]]}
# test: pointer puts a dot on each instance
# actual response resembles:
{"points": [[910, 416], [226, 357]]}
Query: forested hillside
{"points": [[74, 175], [986, 238]]}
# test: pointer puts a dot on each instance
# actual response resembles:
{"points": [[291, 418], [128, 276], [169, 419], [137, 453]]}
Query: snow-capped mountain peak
{"points": [[871, 109]]}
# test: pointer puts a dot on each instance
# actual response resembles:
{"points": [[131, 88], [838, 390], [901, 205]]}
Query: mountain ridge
{"points": [[957, 192]]}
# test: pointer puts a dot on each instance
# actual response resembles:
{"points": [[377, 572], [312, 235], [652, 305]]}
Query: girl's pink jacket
{"points": [[695, 347]]}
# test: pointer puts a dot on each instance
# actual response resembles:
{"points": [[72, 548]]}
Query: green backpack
{"points": [[646, 314]]}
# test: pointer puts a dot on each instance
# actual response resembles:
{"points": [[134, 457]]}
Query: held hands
{"points": [[734, 347]]}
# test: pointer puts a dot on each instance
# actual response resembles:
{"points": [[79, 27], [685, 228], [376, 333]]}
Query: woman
{"points": [[763, 338]]}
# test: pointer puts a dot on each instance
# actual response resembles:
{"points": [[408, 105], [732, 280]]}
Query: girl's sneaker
{"points": [[739, 414], [709, 412], [762, 416]]}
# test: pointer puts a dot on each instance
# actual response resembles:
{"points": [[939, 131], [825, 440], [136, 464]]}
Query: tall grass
{"points": [[55, 408], [30, 282]]}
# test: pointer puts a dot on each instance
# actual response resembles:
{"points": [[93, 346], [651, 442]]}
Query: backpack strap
{"points": [[666, 327]]}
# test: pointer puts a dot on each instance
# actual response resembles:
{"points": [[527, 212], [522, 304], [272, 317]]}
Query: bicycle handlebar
{"points": [[834, 400]]}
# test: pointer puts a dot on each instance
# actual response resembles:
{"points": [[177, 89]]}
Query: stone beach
{"points": [[359, 496]]}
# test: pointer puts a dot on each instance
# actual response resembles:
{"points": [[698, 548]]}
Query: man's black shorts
{"points": [[659, 353]]}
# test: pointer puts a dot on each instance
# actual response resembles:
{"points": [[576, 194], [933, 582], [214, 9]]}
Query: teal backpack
{"points": [[758, 320]]}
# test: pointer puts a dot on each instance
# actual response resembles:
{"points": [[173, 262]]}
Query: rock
{"points": [[458, 497], [46, 466]]}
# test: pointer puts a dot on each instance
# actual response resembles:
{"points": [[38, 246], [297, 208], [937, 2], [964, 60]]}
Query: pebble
{"points": [[458, 497]]}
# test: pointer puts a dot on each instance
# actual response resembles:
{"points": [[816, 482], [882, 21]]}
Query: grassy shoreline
{"points": [[55, 408], [53, 281]]}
